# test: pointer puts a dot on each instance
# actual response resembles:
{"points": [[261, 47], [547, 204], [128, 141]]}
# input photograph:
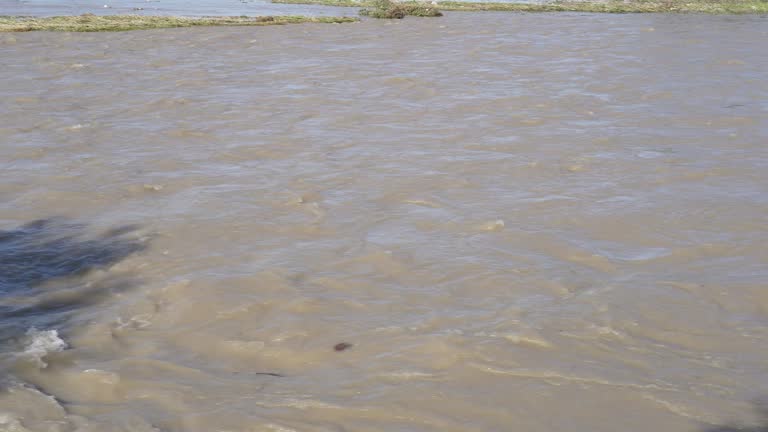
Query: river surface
{"points": [[165, 7], [173, 7], [530, 222]]}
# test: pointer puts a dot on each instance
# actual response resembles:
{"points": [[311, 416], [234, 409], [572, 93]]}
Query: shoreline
{"points": [[719, 7], [101, 23]]}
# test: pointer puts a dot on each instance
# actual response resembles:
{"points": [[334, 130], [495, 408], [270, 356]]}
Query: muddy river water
{"points": [[518, 222]]}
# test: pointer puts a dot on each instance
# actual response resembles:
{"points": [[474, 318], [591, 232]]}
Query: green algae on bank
{"points": [[95, 23], [600, 6]]}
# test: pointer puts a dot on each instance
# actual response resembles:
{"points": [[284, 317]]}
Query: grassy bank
{"points": [[93, 23], [389, 9], [605, 6]]}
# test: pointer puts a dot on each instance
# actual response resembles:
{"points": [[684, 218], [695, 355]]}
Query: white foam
{"points": [[40, 343], [9, 423]]}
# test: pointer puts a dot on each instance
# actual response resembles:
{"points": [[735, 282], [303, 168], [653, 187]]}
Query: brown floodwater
{"points": [[484, 222], [165, 7]]}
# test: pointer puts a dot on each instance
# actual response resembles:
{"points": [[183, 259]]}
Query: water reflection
{"points": [[42, 265]]}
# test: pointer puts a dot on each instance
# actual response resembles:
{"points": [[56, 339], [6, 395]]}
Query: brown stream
{"points": [[520, 222]]}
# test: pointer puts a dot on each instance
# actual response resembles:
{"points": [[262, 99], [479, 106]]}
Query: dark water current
{"points": [[515, 222]]}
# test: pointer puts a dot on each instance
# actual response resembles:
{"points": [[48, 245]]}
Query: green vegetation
{"points": [[398, 10], [93, 23], [602, 6]]}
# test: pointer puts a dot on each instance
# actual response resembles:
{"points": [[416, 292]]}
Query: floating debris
{"points": [[423, 203], [342, 346], [496, 225], [153, 187]]}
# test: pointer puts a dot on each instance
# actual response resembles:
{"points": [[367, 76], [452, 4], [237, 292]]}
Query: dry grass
{"points": [[94, 23]]}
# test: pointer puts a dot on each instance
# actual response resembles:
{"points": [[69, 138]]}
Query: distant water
{"points": [[172, 7], [165, 7]]}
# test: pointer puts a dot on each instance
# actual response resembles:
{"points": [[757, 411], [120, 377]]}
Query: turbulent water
{"points": [[518, 222]]}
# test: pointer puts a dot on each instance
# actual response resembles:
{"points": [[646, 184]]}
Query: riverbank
{"points": [[94, 23], [609, 6]]}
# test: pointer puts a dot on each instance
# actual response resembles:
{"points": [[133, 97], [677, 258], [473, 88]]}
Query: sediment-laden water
{"points": [[519, 222], [164, 7]]}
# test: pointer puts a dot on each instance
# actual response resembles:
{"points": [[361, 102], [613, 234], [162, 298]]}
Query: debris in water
{"points": [[153, 187], [342, 346], [496, 225], [423, 203]]}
